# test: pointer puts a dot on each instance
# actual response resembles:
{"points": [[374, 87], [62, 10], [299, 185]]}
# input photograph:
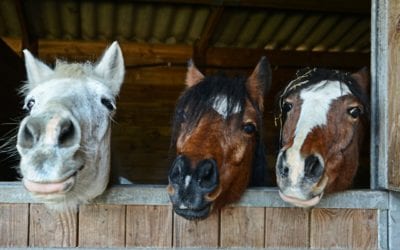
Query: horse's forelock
{"points": [[72, 70], [198, 100]]}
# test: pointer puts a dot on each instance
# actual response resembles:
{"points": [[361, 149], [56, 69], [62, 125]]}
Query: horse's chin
{"points": [[194, 214], [300, 202]]}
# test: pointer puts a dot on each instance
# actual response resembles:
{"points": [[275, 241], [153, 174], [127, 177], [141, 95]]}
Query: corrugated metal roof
{"points": [[172, 23]]}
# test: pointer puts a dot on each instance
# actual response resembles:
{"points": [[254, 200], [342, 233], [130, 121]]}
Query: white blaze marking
{"points": [[314, 110], [51, 135], [221, 106], [187, 180]]}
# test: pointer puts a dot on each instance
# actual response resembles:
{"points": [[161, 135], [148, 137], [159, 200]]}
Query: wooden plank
{"points": [[149, 226], [14, 192], [14, 225], [393, 94], [203, 233], [242, 227], [102, 226], [287, 227], [155, 55], [49, 228], [344, 228], [228, 58]]}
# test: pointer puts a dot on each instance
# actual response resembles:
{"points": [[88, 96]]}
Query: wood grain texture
{"points": [[393, 94], [51, 228], [14, 225], [102, 226], [344, 228], [203, 233], [149, 226], [287, 227], [242, 227]]}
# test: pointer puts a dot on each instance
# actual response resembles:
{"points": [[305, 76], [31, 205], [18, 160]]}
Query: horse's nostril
{"points": [[176, 173], [312, 167], [67, 133], [207, 174], [28, 134], [282, 168], [286, 171]]}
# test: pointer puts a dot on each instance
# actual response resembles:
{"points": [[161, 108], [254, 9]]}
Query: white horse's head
{"points": [[64, 142]]}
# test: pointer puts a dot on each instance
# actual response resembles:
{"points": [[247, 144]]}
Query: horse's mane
{"points": [[198, 100], [307, 77]]}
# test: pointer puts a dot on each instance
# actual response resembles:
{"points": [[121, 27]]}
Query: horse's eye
{"points": [[108, 104], [29, 105], [286, 107], [355, 112], [249, 128]]}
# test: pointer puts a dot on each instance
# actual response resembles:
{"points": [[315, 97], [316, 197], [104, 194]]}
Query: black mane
{"points": [[198, 100]]}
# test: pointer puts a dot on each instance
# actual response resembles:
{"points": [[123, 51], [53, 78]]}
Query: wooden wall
{"points": [[106, 225]]}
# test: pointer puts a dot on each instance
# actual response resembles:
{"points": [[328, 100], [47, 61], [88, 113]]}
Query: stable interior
{"points": [[157, 39]]}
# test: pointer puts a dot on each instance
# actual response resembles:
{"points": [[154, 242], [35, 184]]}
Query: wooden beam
{"points": [[150, 55], [29, 40], [341, 6], [242, 58], [201, 45]]}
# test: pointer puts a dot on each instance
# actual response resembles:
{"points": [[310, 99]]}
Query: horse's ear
{"points": [[193, 75], [36, 70], [111, 68], [362, 78], [259, 82]]}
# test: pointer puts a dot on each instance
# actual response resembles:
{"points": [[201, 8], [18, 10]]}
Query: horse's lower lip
{"points": [[301, 203], [51, 187], [194, 214]]}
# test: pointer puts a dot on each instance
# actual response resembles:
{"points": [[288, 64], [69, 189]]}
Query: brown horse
{"points": [[216, 134], [323, 114]]}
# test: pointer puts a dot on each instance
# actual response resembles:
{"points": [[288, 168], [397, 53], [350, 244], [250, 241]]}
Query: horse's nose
{"points": [[313, 167], [207, 175], [60, 131], [204, 177]]}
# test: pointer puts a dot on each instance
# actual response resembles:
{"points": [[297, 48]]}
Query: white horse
{"points": [[64, 142]]}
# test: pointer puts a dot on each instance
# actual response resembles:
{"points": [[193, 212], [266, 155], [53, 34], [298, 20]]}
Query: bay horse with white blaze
{"points": [[64, 141], [323, 114], [216, 134]]}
